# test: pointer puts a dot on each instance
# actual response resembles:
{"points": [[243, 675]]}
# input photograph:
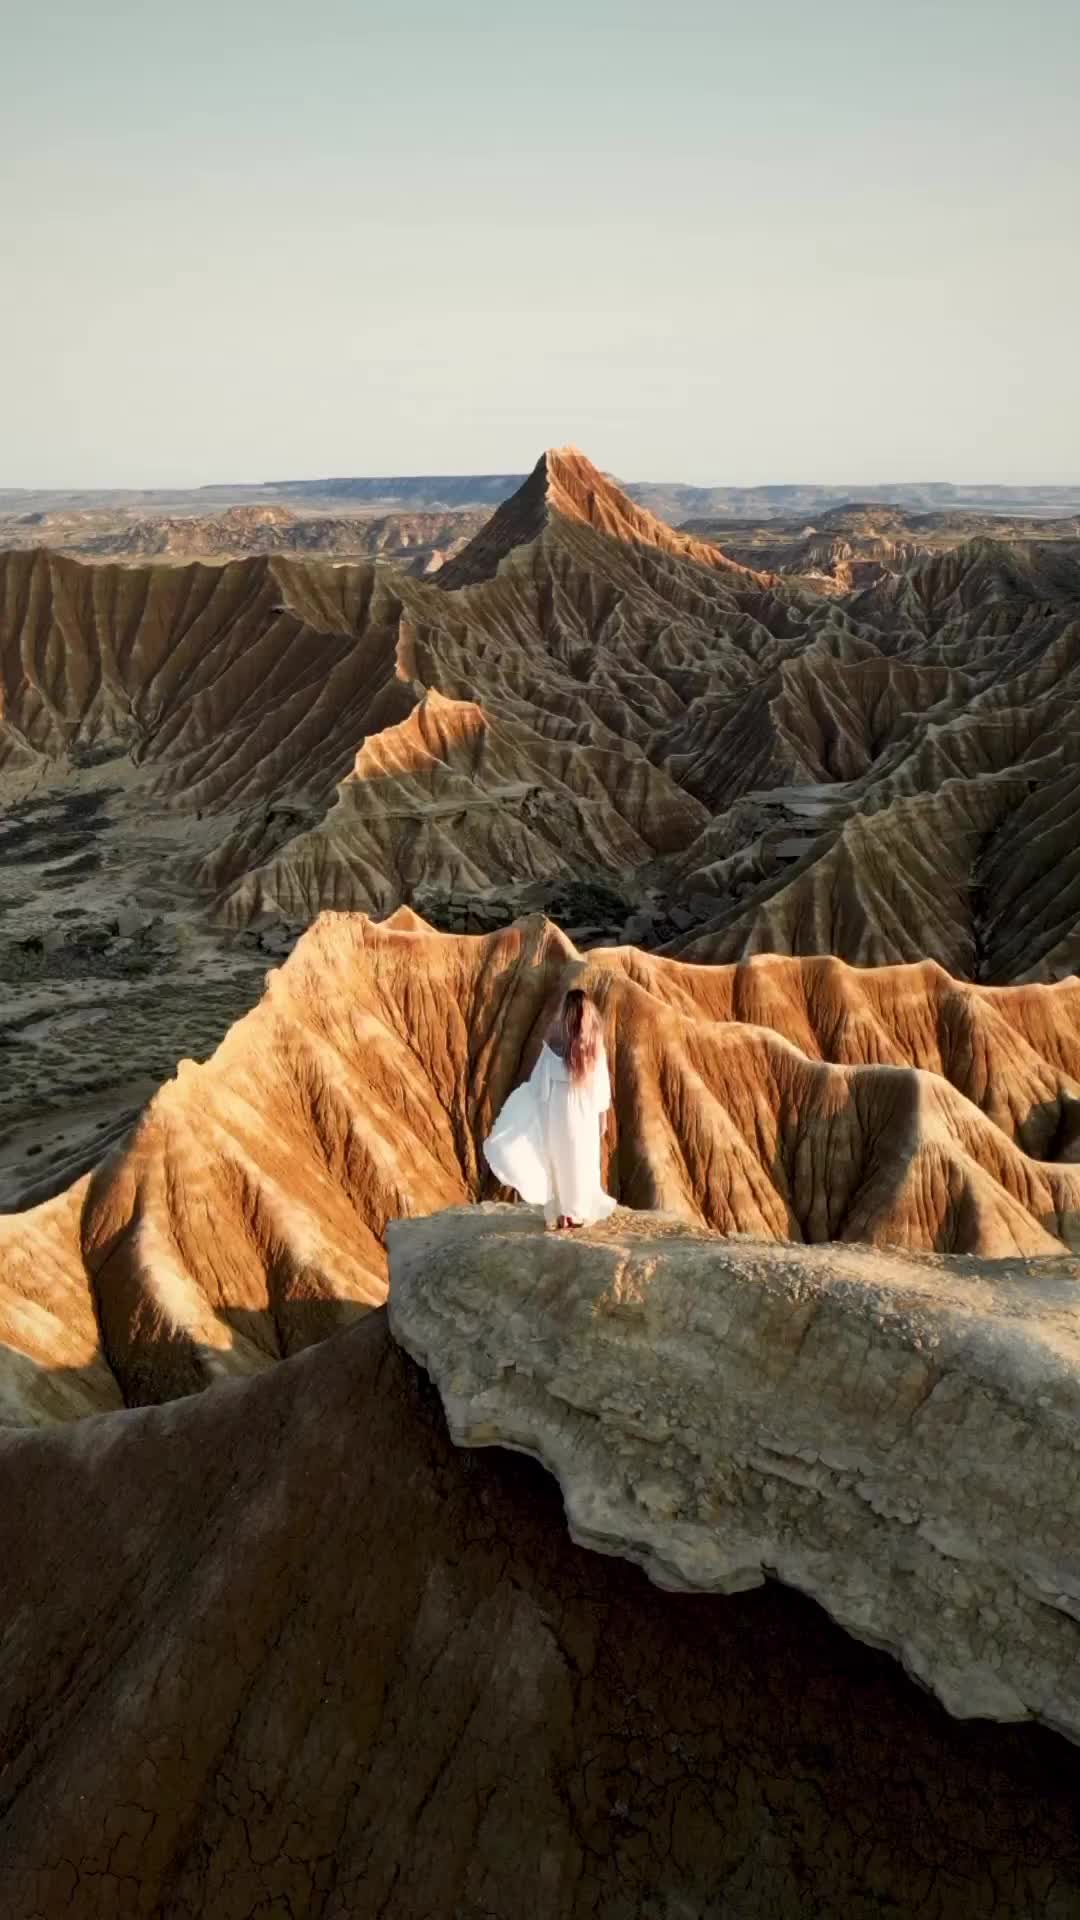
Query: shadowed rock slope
{"points": [[245, 1215], [282, 1649]]}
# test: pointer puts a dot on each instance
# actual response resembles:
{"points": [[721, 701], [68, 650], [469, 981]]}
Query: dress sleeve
{"points": [[516, 1149]]}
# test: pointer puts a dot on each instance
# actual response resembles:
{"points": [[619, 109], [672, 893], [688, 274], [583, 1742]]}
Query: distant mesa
{"points": [[671, 501]]}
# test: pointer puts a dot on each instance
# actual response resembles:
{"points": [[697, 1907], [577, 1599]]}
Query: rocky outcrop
{"points": [[897, 1438]]}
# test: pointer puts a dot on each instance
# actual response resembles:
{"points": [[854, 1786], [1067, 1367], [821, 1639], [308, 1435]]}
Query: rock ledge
{"points": [[896, 1436]]}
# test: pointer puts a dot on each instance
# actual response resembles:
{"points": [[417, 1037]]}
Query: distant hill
{"points": [[418, 541], [861, 542]]}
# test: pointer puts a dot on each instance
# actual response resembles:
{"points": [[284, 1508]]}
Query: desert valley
{"points": [[311, 808]]}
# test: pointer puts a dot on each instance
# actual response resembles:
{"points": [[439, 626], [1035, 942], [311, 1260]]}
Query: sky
{"points": [[704, 242]]}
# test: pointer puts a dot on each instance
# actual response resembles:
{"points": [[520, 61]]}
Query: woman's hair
{"points": [[578, 1033]]}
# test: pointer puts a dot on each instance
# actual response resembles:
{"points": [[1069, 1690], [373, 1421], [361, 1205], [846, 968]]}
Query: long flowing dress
{"points": [[546, 1141]]}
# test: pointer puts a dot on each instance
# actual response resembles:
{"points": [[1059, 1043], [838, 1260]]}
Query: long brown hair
{"points": [[577, 1033]]}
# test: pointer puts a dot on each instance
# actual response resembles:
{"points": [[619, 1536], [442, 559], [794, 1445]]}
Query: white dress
{"points": [[546, 1141]]}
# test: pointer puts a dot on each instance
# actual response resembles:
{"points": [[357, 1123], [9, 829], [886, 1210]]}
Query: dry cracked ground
{"points": [[280, 1649]]}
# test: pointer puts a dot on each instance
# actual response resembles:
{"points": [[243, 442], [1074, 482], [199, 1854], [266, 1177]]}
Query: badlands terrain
{"points": [[584, 714], [296, 858]]}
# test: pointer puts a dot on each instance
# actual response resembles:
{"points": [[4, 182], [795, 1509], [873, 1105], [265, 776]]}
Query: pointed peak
{"points": [[564, 486]]}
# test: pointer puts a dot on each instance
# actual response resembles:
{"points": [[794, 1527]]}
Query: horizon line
{"points": [[468, 473]]}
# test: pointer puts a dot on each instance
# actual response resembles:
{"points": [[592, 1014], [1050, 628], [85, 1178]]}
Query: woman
{"points": [[546, 1141]]}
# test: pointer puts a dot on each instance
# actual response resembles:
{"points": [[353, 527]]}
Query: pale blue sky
{"points": [[704, 241]]}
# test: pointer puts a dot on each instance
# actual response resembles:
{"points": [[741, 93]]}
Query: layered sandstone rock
{"points": [[897, 1438]]}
